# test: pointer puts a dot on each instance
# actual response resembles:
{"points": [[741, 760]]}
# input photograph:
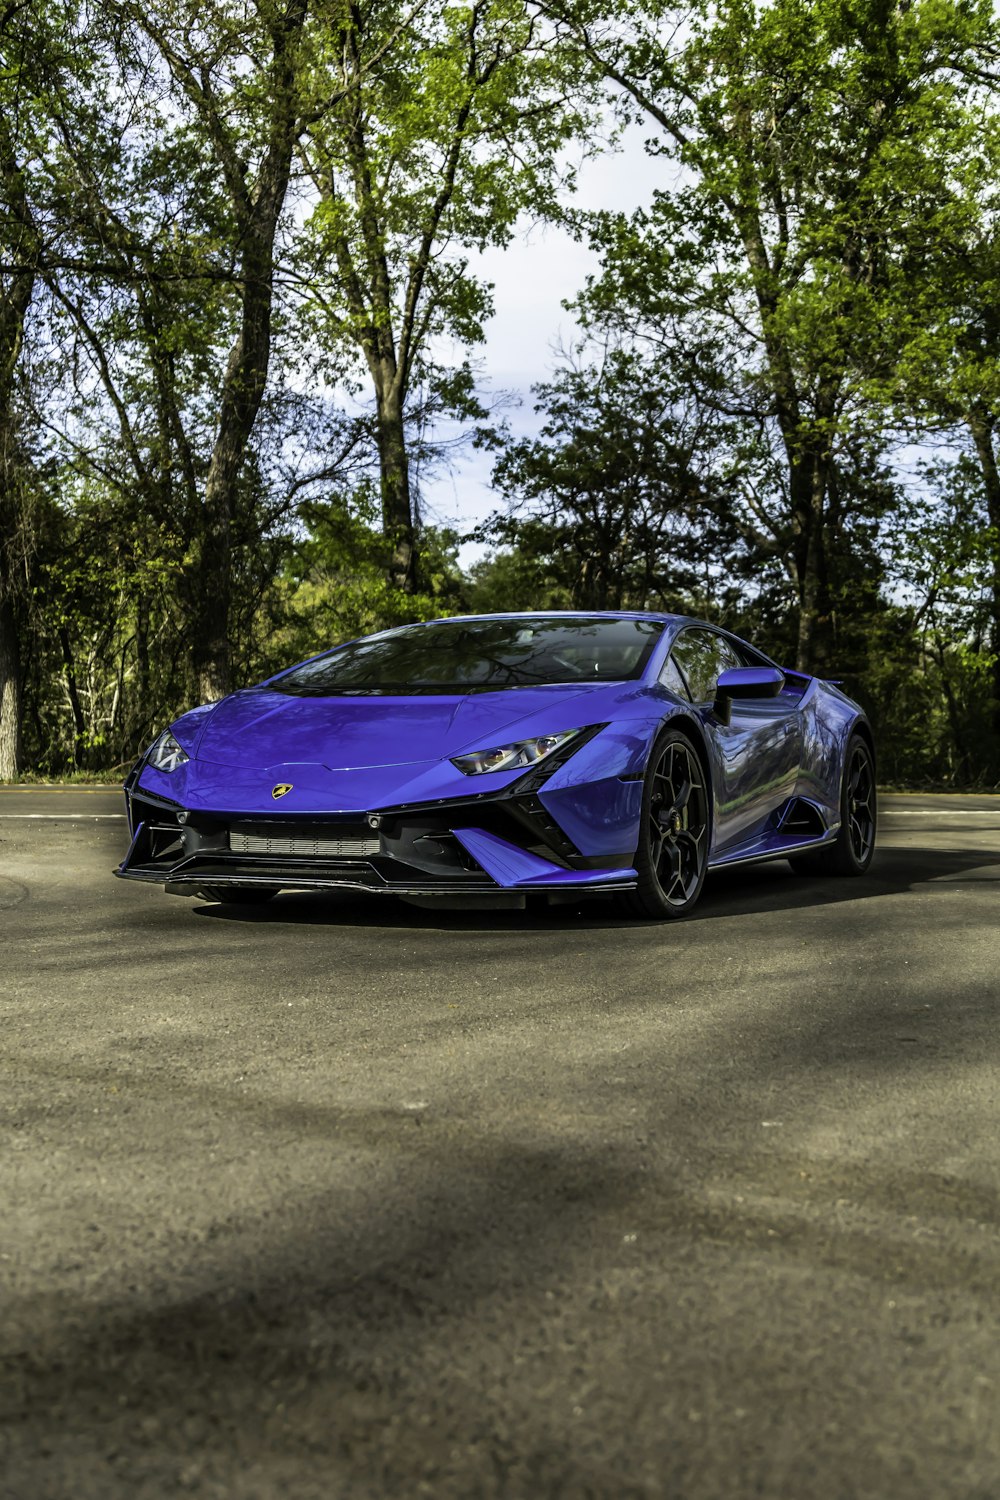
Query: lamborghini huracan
{"points": [[477, 760]]}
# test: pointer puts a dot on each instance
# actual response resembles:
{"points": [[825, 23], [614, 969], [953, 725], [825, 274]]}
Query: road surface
{"points": [[339, 1198]]}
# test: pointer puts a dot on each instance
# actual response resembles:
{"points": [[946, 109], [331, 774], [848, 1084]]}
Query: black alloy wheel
{"points": [[851, 853], [675, 829], [860, 807]]}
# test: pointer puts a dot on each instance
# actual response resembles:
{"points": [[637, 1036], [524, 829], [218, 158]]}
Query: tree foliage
{"points": [[238, 299], [436, 153], [620, 490], [808, 151]]}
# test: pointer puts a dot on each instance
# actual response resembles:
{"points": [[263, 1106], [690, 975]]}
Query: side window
{"points": [[701, 656], [672, 679], [726, 657]]}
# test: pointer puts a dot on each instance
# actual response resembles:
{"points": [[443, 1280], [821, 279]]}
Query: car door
{"points": [[756, 754]]}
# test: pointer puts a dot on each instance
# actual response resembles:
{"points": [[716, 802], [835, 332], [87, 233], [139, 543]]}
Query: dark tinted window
{"points": [[479, 655], [702, 656]]}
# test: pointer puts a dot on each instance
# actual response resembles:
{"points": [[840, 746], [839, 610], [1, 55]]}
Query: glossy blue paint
{"points": [[345, 746], [348, 733], [750, 682], [756, 760], [389, 757], [359, 753], [601, 817], [828, 718], [515, 868]]}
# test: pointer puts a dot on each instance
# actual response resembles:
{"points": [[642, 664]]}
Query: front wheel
{"points": [[851, 852], [674, 831]]}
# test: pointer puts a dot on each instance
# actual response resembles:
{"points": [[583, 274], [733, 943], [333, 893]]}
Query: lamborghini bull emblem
{"points": [[281, 789]]}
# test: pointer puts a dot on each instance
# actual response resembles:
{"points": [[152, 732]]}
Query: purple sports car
{"points": [[472, 761]]}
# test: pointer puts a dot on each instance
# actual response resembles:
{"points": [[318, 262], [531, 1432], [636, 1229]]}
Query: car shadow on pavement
{"points": [[745, 891]]}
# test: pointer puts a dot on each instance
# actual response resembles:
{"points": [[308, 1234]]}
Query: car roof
{"points": [[661, 616]]}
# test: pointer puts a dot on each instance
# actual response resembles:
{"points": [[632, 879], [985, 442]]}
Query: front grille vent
{"points": [[306, 843], [541, 821]]}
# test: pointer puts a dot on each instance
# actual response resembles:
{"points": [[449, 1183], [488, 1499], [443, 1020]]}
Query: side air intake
{"points": [[802, 819]]}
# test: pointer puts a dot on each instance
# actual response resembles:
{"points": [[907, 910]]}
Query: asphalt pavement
{"points": [[339, 1198]]}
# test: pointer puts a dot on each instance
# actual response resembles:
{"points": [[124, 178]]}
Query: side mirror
{"points": [[745, 682]]}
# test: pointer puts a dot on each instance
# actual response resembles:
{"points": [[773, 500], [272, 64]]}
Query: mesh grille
{"points": [[309, 843]]}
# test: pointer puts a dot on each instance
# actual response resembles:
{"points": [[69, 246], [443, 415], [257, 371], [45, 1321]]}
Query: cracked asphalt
{"points": [[339, 1198]]}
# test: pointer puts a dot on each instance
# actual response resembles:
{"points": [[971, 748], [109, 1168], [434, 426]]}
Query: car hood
{"points": [[261, 728]]}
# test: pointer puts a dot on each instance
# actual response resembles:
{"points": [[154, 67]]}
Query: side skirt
{"points": [[789, 848]]}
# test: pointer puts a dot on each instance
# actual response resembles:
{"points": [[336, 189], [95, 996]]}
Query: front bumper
{"points": [[488, 847]]}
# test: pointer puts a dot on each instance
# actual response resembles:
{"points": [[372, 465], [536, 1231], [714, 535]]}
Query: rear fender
{"points": [[828, 721]]}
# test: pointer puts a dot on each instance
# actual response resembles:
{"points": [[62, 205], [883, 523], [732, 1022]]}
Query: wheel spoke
{"points": [[860, 809], [691, 840], [678, 824], [680, 802], [668, 869]]}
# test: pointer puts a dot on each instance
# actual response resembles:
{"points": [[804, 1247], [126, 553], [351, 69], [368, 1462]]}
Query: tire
{"points": [[852, 851], [675, 829], [239, 895]]}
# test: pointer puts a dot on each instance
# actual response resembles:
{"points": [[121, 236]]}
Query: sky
{"points": [[531, 279]]}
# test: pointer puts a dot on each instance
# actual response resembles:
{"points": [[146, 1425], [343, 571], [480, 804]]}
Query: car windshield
{"points": [[484, 655]]}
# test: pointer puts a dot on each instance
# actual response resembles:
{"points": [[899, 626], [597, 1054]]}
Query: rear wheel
{"points": [[675, 827], [851, 852], [239, 895]]}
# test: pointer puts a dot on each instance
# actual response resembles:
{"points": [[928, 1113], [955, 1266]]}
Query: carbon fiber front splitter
{"points": [[499, 868]]}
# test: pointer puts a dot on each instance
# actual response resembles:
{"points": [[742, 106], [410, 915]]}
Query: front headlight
{"points": [[513, 757], [166, 754]]}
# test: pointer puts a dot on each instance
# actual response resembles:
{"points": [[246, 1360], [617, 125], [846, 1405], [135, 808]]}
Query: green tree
{"points": [[437, 153], [620, 493], [333, 585], [516, 577], [942, 555], [163, 303], [810, 145], [241, 87], [33, 66], [948, 383]]}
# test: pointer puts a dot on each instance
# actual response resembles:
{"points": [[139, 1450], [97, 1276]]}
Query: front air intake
{"points": [[304, 843]]}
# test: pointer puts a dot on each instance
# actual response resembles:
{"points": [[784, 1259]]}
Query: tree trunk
{"points": [[808, 480], [258, 210], [242, 393], [807, 447], [957, 720], [981, 427], [142, 650], [213, 582], [10, 694], [394, 473], [14, 304]]}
